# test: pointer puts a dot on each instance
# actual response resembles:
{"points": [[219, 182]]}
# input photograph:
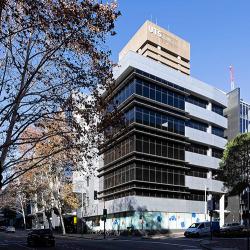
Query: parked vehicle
{"points": [[10, 229], [232, 227], [2, 228], [41, 237], [202, 228]]}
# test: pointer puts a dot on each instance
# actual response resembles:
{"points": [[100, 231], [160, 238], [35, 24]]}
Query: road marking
{"points": [[163, 243], [23, 246]]}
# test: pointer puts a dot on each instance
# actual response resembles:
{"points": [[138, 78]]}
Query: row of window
{"points": [[160, 80], [217, 109], [218, 131], [167, 122], [218, 153], [197, 125], [244, 110], [197, 173], [155, 119], [159, 94], [196, 148], [153, 193], [160, 148], [203, 104], [160, 175], [119, 176], [119, 150], [197, 101], [148, 90], [157, 147], [244, 125], [147, 173], [197, 197]]}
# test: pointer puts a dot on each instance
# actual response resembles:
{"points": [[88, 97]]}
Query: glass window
{"points": [[218, 131], [145, 174], [139, 173], [170, 178], [197, 101], [145, 90], [197, 125], [217, 109]]}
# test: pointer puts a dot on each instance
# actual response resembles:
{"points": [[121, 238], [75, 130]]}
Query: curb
{"points": [[82, 237], [204, 246]]}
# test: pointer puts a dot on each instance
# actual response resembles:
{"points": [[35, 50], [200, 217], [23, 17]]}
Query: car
{"points": [[202, 228], [10, 229], [2, 228], [232, 227], [41, 237]]}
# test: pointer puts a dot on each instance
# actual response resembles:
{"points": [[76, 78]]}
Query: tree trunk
{"points": [[61, 220], [23, 212], [24, 219]]}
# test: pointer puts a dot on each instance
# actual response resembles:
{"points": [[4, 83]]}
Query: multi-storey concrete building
{"points": [[160, 171]]}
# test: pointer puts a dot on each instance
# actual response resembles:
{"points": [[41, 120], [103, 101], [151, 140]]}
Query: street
{"points": [[18, 241]]}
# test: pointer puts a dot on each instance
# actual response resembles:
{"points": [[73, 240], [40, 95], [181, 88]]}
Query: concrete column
{"points": [[209, 152], [209, 174], [209, 129], [222, 210], [209, 106]]}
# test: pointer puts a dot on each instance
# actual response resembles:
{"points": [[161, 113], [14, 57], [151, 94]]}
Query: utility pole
{"points": [[205, 202], [105, 213], [82, 207]]}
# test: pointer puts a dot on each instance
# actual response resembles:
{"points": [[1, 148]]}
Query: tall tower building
{"points": [[160, 45]]}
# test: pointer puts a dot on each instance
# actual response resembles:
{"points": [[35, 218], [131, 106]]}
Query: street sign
{"points": [[79, 187], [75, 220]]}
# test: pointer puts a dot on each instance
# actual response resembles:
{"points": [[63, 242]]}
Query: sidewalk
{"points": [[225, 244], [113, 237], [164, 236], [86, 236]]}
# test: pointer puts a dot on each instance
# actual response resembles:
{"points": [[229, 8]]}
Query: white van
{"points": [[198, 229]]}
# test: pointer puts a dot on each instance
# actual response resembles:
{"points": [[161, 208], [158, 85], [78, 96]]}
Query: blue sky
{"points": [[218, 31]]}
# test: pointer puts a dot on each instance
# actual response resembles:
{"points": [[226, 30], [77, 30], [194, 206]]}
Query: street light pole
{"points": [[82, 207], [205, 202]]}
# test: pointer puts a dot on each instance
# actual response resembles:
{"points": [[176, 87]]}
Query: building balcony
{"points": [[202, 160], [205, 138], [197, 183], [205, 115]]}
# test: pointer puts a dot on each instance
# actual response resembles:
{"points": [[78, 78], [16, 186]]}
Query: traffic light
{"points": [[104, 214], [95, 195]]}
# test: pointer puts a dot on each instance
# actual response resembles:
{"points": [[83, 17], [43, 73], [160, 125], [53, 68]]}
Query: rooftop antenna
{"points": [[232, 77], [156, 21], [151, 18]]}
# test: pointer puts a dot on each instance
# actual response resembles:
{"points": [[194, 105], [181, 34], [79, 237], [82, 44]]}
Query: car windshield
{"points": [[194, 225]]}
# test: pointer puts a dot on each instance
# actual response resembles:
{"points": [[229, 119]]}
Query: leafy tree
{"points": [[17, 195], [235, 164], [49, 51], [52, 190]]}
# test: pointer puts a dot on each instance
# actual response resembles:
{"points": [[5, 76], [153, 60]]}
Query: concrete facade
{"points": [[159, 44], [161, 171]]}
